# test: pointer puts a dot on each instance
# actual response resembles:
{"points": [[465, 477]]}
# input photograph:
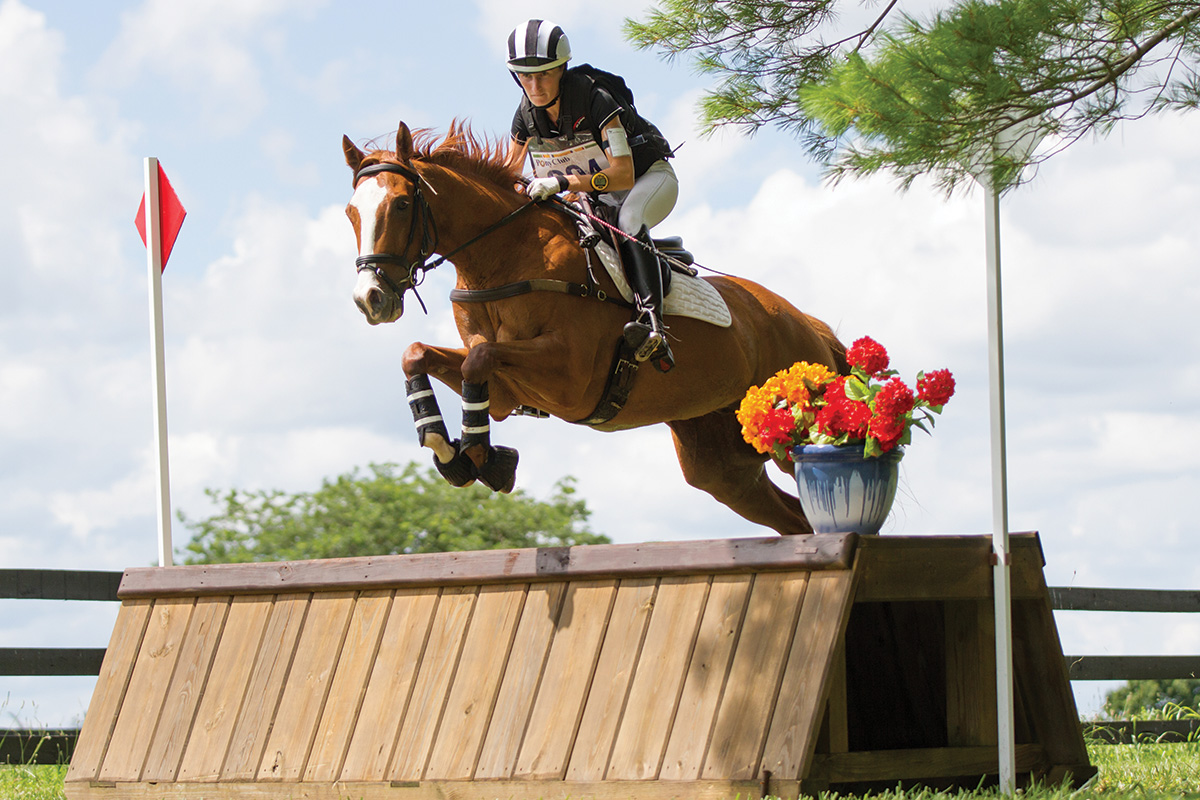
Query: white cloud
{"points": [[212, 50]]}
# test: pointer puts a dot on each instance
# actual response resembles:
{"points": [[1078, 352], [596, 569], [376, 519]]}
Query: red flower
{"points": [[868, 355], [936, 388], [886, 430], [844, 416], [778, 427], [895, 399]]}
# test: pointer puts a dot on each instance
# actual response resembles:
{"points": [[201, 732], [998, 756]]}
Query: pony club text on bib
{"points": [[583, 157]]}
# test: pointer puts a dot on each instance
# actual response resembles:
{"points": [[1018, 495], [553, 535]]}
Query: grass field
{"points": [[1127, 772]]}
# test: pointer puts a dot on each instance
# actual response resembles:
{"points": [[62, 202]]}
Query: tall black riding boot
{"points": [[646, 333]]}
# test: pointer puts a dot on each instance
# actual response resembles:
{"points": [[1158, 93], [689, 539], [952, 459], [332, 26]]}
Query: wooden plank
{"points": [[745, 713], [40, 746], [835, 725], [956, 567], [349, 686], [390, 685], [58, 584], [923, 763], [970, 673], [634, 604], [1143, 731], [654, 696], [187, 686], [1040, 677], [473, 693], [446, 638], [1132, 668], [530, 648], [307, 686], [263, 691], [440, 790], [804, 691], [588, 562], [566, 680], [1082, 598], [101, 717], [142, 707], [706, 676], [42, 661], [222, 698]]}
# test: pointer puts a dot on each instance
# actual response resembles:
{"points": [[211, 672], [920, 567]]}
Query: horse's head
{"points": [[394, 226]]}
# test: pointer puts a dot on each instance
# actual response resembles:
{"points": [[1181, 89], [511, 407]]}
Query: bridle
{"points": [[429, 238], [421, 215]]}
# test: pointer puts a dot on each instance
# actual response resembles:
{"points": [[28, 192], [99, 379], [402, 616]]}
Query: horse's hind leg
{"points": [[715, 458]]}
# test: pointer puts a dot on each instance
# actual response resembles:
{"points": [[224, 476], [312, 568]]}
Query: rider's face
{"points": [[541, 87]]}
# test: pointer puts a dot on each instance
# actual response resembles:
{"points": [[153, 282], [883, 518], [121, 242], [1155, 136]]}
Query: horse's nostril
{"points": [[375, 300]]}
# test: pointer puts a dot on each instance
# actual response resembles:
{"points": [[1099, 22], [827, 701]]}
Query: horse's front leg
{"points": [[459, 461]]}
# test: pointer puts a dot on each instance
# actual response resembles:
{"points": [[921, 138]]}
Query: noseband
{"points": [[421, 211]]}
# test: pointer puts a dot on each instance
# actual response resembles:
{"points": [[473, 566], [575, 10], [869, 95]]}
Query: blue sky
{"points": [[275, 381]]}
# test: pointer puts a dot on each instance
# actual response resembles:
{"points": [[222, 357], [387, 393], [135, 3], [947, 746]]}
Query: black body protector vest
{"points": [[588, 99]]}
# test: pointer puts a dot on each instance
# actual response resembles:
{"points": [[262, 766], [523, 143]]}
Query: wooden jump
{"points": [[708, 669]]}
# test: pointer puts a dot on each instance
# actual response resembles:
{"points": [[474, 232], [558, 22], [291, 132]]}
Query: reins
{"points": [[429, 239]]}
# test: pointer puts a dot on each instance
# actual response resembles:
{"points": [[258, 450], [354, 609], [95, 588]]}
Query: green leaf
{"points": [[857, 389]]}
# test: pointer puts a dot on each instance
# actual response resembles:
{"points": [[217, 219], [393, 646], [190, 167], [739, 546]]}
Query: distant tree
{"points": [[910, 96], [390, 510], [1144, 696]]}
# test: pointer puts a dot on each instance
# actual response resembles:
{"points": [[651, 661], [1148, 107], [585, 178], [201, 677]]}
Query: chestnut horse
{"points": [[549, 350]]}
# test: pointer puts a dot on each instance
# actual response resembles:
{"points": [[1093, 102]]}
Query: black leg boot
{"points": [[646, 333]]}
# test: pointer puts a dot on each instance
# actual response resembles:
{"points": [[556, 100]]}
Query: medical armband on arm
{"points": [[618, 142]]}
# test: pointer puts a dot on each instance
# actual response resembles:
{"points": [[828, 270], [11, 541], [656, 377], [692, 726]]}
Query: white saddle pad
{"points": [[688, 296]]}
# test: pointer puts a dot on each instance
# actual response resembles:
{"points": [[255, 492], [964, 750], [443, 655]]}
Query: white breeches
{"points": [[650, 200]]}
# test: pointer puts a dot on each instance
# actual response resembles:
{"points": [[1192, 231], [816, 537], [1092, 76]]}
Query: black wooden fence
{"points": [[1132, 668], [55, 746], [25, 746]]}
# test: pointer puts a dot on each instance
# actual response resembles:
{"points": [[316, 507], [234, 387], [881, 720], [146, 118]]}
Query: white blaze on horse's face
{"points": [[376, 304]]}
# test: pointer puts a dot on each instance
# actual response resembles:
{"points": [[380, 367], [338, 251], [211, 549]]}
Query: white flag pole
{"points": [[1001, 577], [158, 359]]}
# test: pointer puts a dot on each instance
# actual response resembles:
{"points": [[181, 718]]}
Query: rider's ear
{"points": [[354, 156], [404, 143]]}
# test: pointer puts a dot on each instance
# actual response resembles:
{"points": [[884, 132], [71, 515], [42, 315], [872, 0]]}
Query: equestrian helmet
{"points": [[536, 46]]}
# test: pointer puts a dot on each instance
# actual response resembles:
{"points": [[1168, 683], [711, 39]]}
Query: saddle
{"points": [[675, 257], [687, 297]]}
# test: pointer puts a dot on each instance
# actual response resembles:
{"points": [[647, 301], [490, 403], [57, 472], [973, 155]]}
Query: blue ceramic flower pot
{"points": [[843, 492]]}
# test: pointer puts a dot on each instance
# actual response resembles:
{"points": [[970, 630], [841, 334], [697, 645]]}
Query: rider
{"points": [[561, 116]]}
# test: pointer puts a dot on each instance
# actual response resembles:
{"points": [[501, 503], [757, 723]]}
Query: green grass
{"points": [[1127, 772], [32, 783]]}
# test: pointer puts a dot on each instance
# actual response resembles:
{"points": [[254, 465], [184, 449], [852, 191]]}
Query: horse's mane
{"points": [[462, 151]]}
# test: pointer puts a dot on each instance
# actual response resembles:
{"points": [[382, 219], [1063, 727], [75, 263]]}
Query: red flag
{"points": [[171, 214]]}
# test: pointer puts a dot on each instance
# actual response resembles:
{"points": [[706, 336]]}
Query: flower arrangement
{"points": [[809, 404]]}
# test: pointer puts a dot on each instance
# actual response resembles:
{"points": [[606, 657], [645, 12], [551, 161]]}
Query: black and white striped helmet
{"points": [[536, 46]]}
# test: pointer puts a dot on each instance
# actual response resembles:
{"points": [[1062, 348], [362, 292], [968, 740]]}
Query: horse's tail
{"points": [[836, 348], [839, 354]]}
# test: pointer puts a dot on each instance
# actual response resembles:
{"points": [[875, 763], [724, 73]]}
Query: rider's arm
{"points": [[618, 177]]}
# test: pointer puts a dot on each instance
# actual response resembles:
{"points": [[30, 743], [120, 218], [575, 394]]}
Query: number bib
{"points": [[554, 157]]}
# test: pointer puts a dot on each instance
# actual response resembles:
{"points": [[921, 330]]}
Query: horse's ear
{"points": [[354, 156], [404, 143]]}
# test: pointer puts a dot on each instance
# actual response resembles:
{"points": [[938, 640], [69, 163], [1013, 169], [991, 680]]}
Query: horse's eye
{"points": [[400, 203]]}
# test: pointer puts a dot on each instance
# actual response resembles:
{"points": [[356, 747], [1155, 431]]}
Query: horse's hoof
{"points": [[459, 471], [499, 472]]}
